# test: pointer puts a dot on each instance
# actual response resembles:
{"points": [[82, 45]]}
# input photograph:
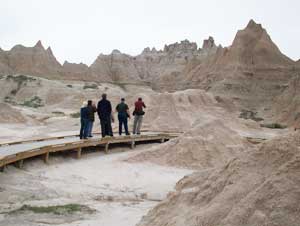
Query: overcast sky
{"points": [[79, 30]]}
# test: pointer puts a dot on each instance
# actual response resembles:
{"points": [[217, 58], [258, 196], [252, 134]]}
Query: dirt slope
{"points": [[261, 188]]}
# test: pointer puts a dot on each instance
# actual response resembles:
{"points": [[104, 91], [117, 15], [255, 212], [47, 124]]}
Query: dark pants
{"points": [[90, 129], [123, 121], [84, 128], [106, 129]]}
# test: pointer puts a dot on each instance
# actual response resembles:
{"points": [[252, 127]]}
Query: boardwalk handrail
{"points": [[19, 151]]}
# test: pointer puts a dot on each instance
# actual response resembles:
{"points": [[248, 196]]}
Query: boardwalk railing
{"points": [[17, 152]]}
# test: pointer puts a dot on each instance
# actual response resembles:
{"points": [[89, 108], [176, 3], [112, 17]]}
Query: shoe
{"points": [[85, 138], [127, 134], [90, 136]]}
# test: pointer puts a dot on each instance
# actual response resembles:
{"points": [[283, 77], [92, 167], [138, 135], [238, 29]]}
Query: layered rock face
{"points": [[251, 71], [30, 60], [158, 68]]}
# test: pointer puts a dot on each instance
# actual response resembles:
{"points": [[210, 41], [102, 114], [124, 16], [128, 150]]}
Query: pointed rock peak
{"points": [[146, 50], [39, 44], [116, 51], [49, 50], [208, 43], [66, 63], [253, 25]]}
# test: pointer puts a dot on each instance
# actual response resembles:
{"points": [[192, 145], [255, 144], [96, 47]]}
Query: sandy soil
{"points": [[120, 192]]}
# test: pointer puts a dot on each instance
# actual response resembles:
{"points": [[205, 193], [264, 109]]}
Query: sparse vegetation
{"points": [[9, 100], [21, 80], [122, 86], [75, 115], [90, 86], [246, 114], [69, 86], [274, 126], [57, 210], [34, 102], [58, 113], [297, 116]]}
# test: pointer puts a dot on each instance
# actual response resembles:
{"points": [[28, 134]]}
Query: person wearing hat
{"points": [[84, 120], [123, 115]]}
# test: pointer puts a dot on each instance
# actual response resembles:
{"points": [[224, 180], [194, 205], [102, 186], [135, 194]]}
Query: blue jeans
{"points": [[84, 128], [90, 128], [122, 117]]}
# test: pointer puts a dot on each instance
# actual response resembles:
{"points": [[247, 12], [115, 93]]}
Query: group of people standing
{"points": [[105, 114]]}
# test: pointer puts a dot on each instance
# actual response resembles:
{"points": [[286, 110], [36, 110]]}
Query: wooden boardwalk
{"points": [[17, 152]]}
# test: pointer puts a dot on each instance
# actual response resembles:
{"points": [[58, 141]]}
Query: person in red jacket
{"points": [[138, 115]]}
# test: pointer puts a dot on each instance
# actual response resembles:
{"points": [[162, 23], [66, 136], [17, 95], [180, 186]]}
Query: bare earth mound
{"points": [[262, 188], [208, 144]]}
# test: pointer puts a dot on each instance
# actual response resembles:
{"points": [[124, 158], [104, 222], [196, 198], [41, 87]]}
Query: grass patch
{"points": [[274, 126], [57, 210], [58, 113], [75, 115], [245, 114], [69, 86], [21, 80], [9, 100], [34, 102], [90, 86]]}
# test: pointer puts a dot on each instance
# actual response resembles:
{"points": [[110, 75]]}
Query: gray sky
{"points": [[78, 31]]}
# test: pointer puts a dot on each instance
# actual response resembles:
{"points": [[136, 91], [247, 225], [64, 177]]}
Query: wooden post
{"points": [[132, 144], [46, 158], [19, 164], [106, 147], [79, 153]]}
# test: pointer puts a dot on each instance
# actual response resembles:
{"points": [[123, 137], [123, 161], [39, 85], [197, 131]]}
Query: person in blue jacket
{"points": [[84, 120]]}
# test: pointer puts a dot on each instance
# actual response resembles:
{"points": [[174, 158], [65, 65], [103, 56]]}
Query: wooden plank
{"points": [[19, 164], [4, 160], [132, 144], [46, 157], [78, 153], [106, 147]]}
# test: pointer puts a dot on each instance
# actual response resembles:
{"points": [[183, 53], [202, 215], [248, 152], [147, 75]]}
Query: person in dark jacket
{"points": [[84, 119], [123, 114], [92, 109], [138, 113], [105, 115]]}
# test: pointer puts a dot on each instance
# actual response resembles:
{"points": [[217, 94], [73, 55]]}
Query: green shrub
{"points": [[75, 115], [90, 86], [273, 126], [9, 100], [58, 113], [57, 210], [34, 102], [69, 86], [20, 78], [245, 114]]}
